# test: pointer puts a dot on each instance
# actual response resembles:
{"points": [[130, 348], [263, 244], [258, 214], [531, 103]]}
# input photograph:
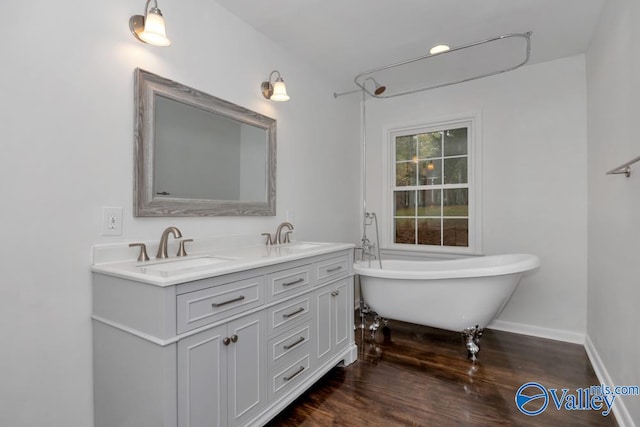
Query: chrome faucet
{"points": [[278, 235], [162, 247]]}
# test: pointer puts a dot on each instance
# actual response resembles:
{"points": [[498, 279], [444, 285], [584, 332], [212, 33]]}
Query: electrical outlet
{"points": [[111, 221]]}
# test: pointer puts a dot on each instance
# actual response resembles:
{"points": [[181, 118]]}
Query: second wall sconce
{"points": [[276, 91], [150, 27]]}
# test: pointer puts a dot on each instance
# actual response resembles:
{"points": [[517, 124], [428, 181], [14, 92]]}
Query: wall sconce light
{"points": [[276, 91], [431, 166], [150, 27]]}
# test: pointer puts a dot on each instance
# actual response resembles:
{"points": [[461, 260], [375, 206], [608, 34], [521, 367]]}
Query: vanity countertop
{"points": [[211, 263]]}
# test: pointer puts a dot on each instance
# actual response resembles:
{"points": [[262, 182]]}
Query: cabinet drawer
{"points": [[287, 282], [287, 378], [209, 305], [332, 268], [289, 313], [288, 345]]}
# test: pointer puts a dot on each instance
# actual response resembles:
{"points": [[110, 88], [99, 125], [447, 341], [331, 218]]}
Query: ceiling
{"points": [[345, 37]]}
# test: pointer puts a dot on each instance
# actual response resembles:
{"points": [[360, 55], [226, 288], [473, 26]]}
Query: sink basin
{"points": [[165, 268]]}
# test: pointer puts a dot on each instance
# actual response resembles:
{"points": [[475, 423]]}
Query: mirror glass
{"points": [[198, 155]]}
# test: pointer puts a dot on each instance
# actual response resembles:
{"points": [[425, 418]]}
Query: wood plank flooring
{"points": [[421, 376]]}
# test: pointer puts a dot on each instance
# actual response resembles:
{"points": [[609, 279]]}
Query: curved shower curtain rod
{"points": [[366, 74], [380, 89]]}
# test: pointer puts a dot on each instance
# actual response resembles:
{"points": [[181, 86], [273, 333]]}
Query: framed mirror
{"points": [[198, 155]]}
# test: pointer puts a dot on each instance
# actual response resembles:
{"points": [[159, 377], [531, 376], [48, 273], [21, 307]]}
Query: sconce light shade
{"points": [[150, 28], [279, 91], [276, 91]]}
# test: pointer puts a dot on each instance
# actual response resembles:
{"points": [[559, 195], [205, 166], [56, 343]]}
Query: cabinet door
{"points": [[342, 314], [246, 368], [334, 318], [202, 379], [323, 315]]}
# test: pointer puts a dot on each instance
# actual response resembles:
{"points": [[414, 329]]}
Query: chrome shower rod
{"points": [[624, 168], [337, 94], [360, 84]]}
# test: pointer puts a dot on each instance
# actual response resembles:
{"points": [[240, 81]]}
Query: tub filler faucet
{"points": [[162, 247]]}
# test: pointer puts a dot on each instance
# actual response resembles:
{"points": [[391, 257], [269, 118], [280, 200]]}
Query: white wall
{"points": [[67, 150], [613, 76], [534, 191]]}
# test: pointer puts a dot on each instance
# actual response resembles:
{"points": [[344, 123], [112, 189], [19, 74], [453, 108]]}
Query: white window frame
{"points": [[472, 122]]}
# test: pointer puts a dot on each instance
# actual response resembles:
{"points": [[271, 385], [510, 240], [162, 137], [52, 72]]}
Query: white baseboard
{"points": [[620, 411], [537, 331]]}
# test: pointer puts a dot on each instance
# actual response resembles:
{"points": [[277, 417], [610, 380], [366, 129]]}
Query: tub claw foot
{"points": [[374, 326], [472, 339], [364, 311]]}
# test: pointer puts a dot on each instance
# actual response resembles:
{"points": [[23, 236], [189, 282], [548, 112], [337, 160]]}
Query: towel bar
{"points": [[624, 168]]}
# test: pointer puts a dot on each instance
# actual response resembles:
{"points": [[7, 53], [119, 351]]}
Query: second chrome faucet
{"points": [[277, 238]]}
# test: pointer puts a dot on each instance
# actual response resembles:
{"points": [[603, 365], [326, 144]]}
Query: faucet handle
{"points": [[269, 241], [181, 250], [143, 251], [287, 239]]}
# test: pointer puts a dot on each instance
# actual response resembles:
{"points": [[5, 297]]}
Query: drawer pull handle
{"points": [[295, 282], [293, 344], [220, 304], [335, 293], [295, 374], [298, 311], [334, 269]]}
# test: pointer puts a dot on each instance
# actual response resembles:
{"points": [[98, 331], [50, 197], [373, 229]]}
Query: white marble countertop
{"points": [[207, 263]]}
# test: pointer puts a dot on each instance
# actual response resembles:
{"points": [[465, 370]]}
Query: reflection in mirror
{"points": [[214, 147], [198, 155]]}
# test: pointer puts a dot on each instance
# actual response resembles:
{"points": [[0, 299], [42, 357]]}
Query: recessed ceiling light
{"points": [[439, 49]]}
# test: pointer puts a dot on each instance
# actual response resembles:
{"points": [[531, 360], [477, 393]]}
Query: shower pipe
{"points": [[364, 170], [378, 89], [366, 246], [362, 86]]}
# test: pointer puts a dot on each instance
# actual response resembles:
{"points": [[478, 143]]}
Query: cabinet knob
{"points": [[234, 338], [226, 340], [335, 293]]}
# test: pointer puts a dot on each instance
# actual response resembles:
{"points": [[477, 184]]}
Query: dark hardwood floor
{"points": [[421, 376]]}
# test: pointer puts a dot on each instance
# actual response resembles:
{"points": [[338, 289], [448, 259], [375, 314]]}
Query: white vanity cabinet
{"points": [[232, 347]]}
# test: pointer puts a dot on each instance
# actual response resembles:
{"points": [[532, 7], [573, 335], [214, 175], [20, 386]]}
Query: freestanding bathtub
{"points": [[462, 295]]}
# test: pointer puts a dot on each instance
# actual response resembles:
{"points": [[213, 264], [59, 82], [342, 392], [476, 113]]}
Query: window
{"points": [[432, 188]]}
